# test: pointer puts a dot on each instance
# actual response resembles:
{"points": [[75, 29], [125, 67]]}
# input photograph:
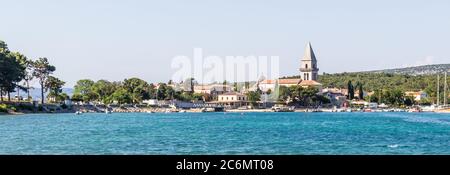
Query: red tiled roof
{"points": [[282, 81], [309, 83]]}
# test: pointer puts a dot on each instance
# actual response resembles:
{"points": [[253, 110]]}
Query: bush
{"points": [[13, 108], [3, 108]]}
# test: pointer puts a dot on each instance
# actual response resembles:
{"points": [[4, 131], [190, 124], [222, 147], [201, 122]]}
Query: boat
{"points": [[108, 112], [282, 109], [414, 110], [78, 113], [367, 110]]}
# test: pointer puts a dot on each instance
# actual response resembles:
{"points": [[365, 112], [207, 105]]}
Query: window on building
{"points": [[306, 66]]}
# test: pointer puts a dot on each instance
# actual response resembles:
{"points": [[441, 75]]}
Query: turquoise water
{"points": [[230, 133]]}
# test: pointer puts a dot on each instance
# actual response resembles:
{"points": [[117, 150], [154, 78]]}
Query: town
{"points": [[304, 92]]}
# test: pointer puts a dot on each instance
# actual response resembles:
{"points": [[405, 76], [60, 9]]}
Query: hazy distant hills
{"points": [[36, 93], [418, 70]]}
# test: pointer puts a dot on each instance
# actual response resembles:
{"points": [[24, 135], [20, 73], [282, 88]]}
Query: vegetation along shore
{"points": [[341, 92]]}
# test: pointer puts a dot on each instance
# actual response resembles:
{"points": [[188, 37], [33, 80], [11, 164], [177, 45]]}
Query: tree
{"points": [[24, 67], [122, 96], [84, 88], [151, 89], [224, 85], [137, 89], [253, 97], [161, 92], [42, 70], [54, 85], [103, 89], [11, 70], [361, 91], [351, 90], [284, 94]]}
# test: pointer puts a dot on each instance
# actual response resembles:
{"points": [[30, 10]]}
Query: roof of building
{"points": [[309, 83], [309, 53], [282, 81], [232, 93], [211, 87], [414, 92]]}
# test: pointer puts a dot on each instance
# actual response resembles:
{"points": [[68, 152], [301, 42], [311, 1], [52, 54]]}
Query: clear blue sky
{"points": [[118, 39]]}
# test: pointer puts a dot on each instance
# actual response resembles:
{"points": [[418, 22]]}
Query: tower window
{"points": [[306, 66]]}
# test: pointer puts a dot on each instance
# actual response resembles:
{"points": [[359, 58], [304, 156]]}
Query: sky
{"points": [[114, 40]]}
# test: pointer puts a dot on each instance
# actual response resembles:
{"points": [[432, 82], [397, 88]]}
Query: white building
{"points": [[417, 95], [212, 89], [233, 100]]}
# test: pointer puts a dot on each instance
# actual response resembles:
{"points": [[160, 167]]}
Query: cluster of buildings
{"points": [[229, 96]]}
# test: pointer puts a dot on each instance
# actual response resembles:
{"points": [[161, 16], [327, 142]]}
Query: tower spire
{"points": [[308, 67], [309, 53]]}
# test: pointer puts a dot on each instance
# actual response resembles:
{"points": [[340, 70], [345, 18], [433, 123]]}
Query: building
{"points": [[418, 96], [309, 73], [232, 100], [214, 89], [336, 96], [308, 66], [311, 83], [265, 85]]}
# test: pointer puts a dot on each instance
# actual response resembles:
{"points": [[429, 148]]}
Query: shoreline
{"points": [[227, 111]]}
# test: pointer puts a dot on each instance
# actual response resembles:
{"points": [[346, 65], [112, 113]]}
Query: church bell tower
{"points": [[308, 67]]}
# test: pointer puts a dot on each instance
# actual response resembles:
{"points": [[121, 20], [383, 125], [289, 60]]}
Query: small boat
{"points": [[414, 110], [78, 113], [182, 111], [283, 109], [108, 112], [368, 110]]}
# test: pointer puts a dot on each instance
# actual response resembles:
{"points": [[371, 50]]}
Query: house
{"points": [[232, 99], [417, 95], [311, 83], [265, 85], [336, 96], [213, 89]]}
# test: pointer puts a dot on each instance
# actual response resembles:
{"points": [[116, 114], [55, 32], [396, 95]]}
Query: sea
{"points": [[226, 134]]}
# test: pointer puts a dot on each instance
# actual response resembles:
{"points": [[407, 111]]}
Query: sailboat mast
{"points": [[437, 96], [445, 89]]}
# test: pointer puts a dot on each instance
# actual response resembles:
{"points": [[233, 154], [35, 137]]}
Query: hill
{"points": [[418, 70]]}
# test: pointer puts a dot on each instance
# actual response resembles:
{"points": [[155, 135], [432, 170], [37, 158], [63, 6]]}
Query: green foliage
{"points": [[301, 96], [122, 96], [377, 81], [351, 90], [137, 89], [12, 71], [3, 107], [42, 70], [389, 84], [253, 97], [84, 89], [54, 85]]}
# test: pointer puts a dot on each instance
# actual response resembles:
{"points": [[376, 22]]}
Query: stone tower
{"points": [[308, 67]]}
